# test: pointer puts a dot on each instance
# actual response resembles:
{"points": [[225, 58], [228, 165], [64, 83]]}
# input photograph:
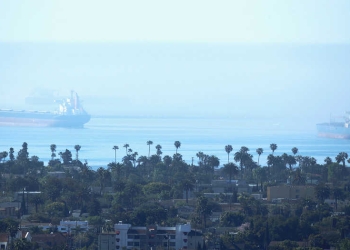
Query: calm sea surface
{"points": [[195, 134]]}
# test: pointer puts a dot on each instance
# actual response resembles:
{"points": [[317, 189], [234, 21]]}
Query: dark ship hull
{"points": [[339, 130], [41, 119]]}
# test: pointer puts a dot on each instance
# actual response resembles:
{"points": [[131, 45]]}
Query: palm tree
{"points": [[259, 151], [126, 148], [273, 147], [231, 169], [328, 160], [77, 148], [187, 185], [242, 157], [259, 174], [53, 150], [228, 149], [177, 144], [295, 150], [149, 143], [159, 151], [115, 148], [341, 157]]}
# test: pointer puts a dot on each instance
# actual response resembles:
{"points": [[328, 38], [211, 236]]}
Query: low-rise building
{"points": [[71, 226], [276, 193]]}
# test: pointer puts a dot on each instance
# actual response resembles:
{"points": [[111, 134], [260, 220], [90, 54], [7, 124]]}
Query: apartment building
{"points": [[153, 237]]}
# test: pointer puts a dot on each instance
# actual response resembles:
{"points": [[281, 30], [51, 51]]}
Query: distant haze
{"points": [[295, 82]]}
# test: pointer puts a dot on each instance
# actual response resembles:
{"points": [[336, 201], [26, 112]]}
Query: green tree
{"points": [[231, 219], [203, 209], [295, 150], [322, 192], [66, 156], [159, 150]]}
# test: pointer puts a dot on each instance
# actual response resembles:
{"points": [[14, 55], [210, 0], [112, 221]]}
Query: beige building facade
{"points": [[277, 193]]}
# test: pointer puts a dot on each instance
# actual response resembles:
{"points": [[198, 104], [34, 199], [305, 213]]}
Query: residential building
{"points": [[277, 193], [151, 237]]}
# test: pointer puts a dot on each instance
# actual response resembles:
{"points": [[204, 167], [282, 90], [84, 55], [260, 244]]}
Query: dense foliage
{"points": [[146, 190]]}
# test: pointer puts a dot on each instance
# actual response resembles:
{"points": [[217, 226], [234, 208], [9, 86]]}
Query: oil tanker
{"points": [[335, 129], [69, 113]]}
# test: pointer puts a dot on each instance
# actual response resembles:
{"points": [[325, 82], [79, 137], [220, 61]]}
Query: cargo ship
{"points": [[335, 129], [69, 113]]}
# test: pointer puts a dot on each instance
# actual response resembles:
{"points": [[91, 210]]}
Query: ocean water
{"points": [[209, 135]]}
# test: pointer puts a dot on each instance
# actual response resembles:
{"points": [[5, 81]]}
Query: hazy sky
{"points": [[292, 21], [161, 57]]}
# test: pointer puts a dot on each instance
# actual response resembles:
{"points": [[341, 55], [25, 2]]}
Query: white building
{"points": [[147, 238]]}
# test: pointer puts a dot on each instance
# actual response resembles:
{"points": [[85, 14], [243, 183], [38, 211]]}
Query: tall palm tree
{"points": [[115, 148], [228, 149], [273, 147], [53, 150], [177, 144], [77, 148], [126, 148], [149, 143], [259, 151]]}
